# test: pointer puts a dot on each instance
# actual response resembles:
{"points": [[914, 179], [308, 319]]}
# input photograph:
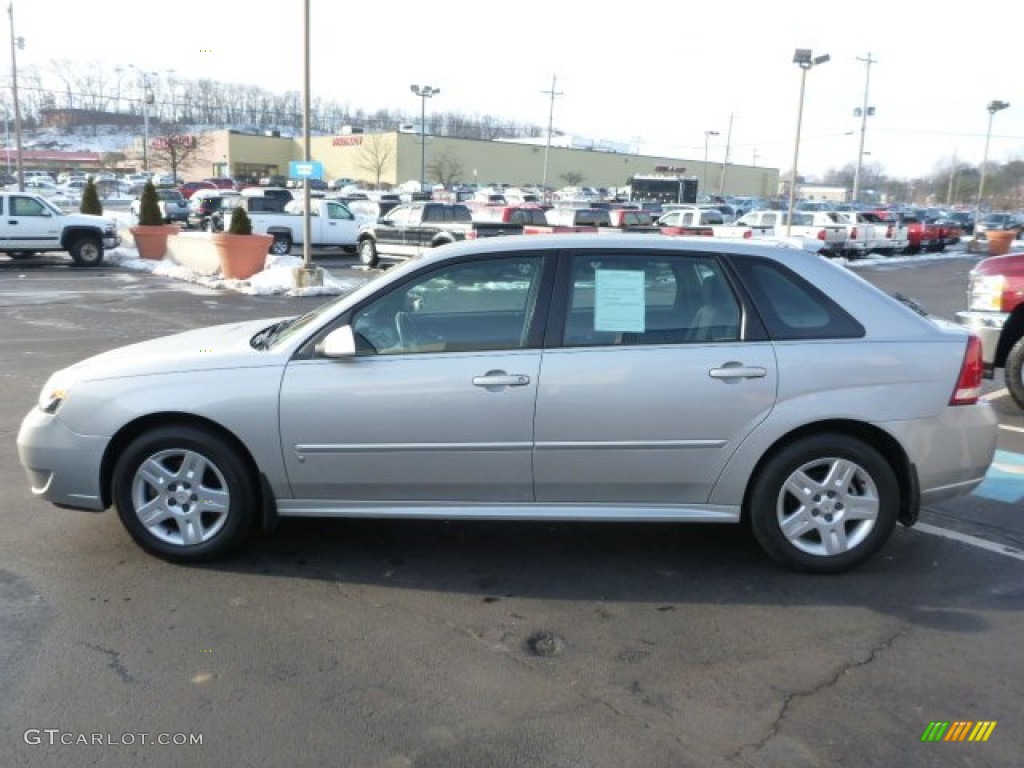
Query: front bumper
{"points": [[987, 326], [63, 467]]}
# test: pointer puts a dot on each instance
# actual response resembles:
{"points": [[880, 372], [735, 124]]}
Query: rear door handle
{"points": [[738, 372]]}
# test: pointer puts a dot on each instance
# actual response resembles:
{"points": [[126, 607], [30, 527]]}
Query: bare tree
{"points": [[173, 148], [446, 168], [572, 178], [376, 153]]}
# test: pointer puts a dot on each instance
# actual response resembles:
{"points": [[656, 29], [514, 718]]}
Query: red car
{"points": [[221, 182], [189, 187]]}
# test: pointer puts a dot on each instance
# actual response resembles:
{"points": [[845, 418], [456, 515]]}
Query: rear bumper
{"points": [[952, 451]]}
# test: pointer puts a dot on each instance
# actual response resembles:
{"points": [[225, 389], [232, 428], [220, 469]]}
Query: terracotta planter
{"points": [[241, 256], [151, 240], [999, 241]]}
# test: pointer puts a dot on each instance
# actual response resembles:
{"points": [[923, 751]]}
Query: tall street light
{"points": [[16, 43], [424, 92], [704, 181], [804, 59], [993, 107], [147, 99], [863, 113]]}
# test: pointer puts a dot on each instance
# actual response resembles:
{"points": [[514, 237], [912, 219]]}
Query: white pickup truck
{"points": [[826, 236], [30, 224], [332, 225], [867, 233]]}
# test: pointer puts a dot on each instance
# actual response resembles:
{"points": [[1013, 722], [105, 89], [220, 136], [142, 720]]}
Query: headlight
{"points": [[55, 391], [986, 292]]}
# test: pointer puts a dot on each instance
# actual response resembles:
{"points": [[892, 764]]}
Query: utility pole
{"points": [[952, 178], [864, 112], [725, 160], [547, 149]]}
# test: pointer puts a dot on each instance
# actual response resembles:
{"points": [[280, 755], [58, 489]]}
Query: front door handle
{"points": [[496, 379], [737, 371]]}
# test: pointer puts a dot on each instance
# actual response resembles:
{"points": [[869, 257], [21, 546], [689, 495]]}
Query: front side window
{"points": [[470, 306], [26, 206], [339, 213], [649, 299]]}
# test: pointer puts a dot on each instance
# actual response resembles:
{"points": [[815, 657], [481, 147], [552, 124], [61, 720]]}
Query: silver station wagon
{"points": [[562, 377]]}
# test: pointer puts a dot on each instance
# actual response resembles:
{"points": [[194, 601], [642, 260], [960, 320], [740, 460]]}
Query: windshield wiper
{"points": [[265, 338]]}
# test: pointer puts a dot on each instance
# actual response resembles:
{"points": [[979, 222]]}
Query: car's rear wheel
{"points": [[282, 245], [184, 494], [824, 504], [1014, 372], [368, 253]]}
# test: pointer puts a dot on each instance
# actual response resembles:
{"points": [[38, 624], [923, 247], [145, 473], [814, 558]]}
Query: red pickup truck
{"points": [[922, 235], [995, 312]]}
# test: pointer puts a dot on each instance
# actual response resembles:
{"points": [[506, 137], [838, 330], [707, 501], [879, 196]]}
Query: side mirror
{"points": [[339, 343]]}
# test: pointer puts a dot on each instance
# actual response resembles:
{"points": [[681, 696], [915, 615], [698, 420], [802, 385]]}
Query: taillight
{"points": [[748, 234], [853, 233], [889, 232], [821, 234], [968, 383], [471, 234]]}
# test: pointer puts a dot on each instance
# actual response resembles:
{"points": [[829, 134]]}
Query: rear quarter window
{"points": [[790, 306]]}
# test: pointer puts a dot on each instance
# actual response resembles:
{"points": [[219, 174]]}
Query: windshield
{"points": [[52, 207]]}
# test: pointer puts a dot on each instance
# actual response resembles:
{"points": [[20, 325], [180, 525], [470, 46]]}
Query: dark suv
{"points": [[202, 208]]}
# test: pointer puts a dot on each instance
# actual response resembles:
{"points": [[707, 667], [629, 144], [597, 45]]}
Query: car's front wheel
{"points": [[1014, 372], [368, 253], [184, 494], [87, 251], [824, 504]]}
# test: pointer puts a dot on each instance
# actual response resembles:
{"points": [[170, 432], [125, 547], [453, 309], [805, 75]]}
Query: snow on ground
{"points": [[274, 280]]}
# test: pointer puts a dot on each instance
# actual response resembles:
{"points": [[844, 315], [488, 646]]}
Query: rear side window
{"points": [[790, 306]]}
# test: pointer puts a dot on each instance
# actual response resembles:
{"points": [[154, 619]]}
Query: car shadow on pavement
{"points": [[912, 578]]}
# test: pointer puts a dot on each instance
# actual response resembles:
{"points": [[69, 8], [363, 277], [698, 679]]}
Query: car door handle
{"points": [[501, 379], [737, 371], [12, 222]]}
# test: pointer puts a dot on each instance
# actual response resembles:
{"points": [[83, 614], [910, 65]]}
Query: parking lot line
{"points": [[974, 541], [1011, 428], [996, 394]]}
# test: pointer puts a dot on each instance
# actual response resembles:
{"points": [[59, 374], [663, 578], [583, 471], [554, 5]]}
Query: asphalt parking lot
{"points": [[388, 644]]}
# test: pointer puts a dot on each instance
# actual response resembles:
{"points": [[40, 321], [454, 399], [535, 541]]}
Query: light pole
{"points": [[704, 181], [147, 99], [863, 113], [16, 43], [424, 92], [993, 107], [803, 58]]}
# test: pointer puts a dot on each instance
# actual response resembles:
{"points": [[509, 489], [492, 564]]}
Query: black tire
{"points": [[1014, 372], [193, 520], [87, 251], [368, 253], [282, 244], [819, 534]]}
